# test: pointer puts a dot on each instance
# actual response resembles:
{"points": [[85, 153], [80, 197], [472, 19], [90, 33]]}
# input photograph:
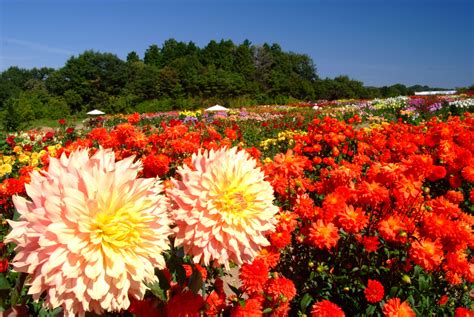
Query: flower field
{"points": [[348, 208]]}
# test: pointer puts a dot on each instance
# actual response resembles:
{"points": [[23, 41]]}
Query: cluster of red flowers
{"points": [[391, 199], [396, 186], [271, 291]]}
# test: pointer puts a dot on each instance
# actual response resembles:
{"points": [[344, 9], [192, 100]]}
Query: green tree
{"points": [[14, 80], [57, 108], [189, 70], [218, 54], [92, 75], [73, 99], [152, 56], [168, 80], [243, 59], [171, 51], [143, 81], [19, 112], [133, 57]]}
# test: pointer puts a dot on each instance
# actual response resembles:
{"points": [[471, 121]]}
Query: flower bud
{"points": [[406, 279]]}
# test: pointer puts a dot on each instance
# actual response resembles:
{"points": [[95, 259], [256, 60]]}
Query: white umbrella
{"points": [[217, 108], [96, 112]]}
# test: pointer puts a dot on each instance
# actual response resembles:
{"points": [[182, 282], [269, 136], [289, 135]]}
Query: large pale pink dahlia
{"points": [[92, 234], [223, 207]]}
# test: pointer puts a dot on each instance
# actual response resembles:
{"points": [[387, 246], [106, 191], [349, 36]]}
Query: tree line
{"points": [[177, 75]]}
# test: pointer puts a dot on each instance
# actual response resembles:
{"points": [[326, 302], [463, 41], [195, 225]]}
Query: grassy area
{"points": [[47, 123]]}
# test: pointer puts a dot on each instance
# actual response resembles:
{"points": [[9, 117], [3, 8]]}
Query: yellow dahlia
{"points": [[223, 207], [92, 234]]}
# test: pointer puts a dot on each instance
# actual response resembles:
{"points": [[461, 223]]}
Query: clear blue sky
{"points": [[380, 42]]}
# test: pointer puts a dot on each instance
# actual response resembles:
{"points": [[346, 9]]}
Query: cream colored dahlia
{"points": [[92, 234], [223, 207]]}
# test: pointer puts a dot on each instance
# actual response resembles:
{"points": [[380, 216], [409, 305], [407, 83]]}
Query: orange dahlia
{"points": [[304, 207], [254, 276], [282, 310], [287, 221], [324, 236], [392, 228], [252, 307], [215, 303], [223, 207], [455, 196], [394, 308], [280, 239], [133, 118], [352, 220], [426, 253], [326, 308], [270, 256], [92, 234], [156, 165], [280, 289], [372, 193], [468, 173], [289, 164]]}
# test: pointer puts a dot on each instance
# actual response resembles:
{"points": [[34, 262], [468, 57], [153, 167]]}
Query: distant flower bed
{"points": [[147, 214], [413, 109]]}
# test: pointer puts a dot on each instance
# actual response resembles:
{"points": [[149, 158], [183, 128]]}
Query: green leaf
{"points": [[267, 310], [4, 284], [158, 291], [234, 289], [305, 301], [180, 275], [164, 283], [370, 310], [417, 271], [422, 283], [393, 291], [49, 313], [16, 215], [195, 281]]}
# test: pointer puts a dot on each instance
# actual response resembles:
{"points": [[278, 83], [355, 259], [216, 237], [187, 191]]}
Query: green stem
{"points": [[16, 291]]}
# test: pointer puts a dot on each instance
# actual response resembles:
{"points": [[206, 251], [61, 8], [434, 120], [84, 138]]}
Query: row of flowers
{"points": [[319, 217], [413, 108]]}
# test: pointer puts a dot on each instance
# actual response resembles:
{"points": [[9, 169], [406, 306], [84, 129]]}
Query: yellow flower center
{"points": [[232, 202], [118, 229], [428, 247]]}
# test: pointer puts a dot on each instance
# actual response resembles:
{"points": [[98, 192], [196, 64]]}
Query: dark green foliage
{"points": [[177, 75], [133, 57], [93, 76], [152, 56]]}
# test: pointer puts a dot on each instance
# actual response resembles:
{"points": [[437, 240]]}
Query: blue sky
{"points": [[379, 42]]}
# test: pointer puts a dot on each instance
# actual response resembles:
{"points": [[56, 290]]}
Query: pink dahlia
{"points": [[223, 207], [92, 234]]}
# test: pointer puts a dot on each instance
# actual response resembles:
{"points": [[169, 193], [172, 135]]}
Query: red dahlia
{"points": [[374, 291]]}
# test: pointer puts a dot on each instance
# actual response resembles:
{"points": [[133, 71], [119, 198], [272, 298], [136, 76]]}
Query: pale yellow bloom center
{"points": [[118, 229], [232, 202]]}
